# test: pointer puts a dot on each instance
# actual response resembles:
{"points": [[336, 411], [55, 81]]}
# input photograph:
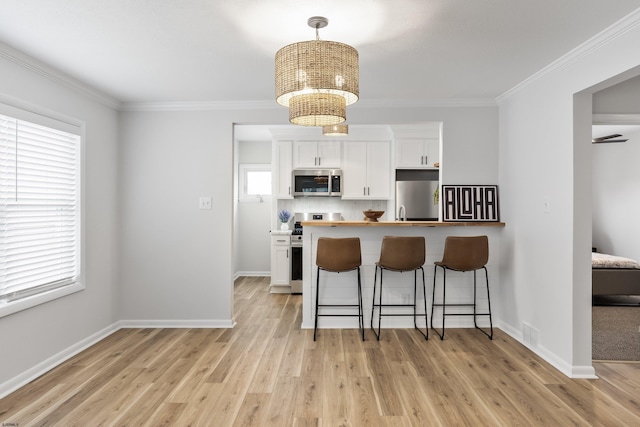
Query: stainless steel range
{"points": [[296, 244]]}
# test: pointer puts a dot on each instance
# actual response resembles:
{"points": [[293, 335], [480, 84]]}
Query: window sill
{"points": [[8, 308]]}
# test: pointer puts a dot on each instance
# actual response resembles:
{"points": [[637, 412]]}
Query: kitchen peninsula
{"points": [[341, 288]]}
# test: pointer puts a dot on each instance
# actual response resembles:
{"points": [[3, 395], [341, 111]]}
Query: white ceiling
{"points": [[223, 50]]}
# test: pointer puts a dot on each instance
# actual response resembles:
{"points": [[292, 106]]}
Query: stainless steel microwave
{"points": [[317, 182]]}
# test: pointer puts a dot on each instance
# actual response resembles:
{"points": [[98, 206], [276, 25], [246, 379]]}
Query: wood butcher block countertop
{"points": [[402, 224]]}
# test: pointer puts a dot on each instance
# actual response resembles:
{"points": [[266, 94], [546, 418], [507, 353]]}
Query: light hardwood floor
{"points": [[268, 372]]}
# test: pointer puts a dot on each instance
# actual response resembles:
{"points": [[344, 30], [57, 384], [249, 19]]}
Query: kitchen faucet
{"points": [[402, 211]]}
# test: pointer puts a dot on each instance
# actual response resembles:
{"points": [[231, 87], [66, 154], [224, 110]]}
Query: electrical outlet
{"points": [[206, 202]]}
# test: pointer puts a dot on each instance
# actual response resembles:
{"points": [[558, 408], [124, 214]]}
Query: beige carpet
{"points": [[616, 333]]}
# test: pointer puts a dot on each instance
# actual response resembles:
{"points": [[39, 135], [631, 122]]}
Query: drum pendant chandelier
{"points": [[317, 79], [335, 130]]}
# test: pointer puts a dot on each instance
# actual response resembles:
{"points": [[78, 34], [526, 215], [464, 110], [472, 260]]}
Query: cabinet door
{"points": [[282, 179], [378, 170], [280, 265], [431, 152], [354, 170], [410, 153], [305, 154], [329, 154]]}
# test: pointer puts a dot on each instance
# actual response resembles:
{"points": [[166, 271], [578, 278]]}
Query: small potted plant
{"points": [[284, 216]]}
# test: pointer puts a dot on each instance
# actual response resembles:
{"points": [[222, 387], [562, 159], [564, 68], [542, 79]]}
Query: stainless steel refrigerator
{"points": [[417, 200]]}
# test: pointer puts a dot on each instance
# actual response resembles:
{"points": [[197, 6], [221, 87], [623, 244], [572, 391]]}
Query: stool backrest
{"points": [[338, 254], [465, 253], [402, 253]]}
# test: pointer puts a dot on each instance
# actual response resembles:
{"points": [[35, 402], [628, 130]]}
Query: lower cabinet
{"points": [[280, 263]]}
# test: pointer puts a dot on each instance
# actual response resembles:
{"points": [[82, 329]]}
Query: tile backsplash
{"points": [[351, 209]]}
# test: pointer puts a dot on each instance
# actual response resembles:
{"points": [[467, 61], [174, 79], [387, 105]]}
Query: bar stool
{"points": [[401, 254], [339, 255], [463, 254]]}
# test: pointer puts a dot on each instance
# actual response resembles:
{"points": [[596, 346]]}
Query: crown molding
{"points": [[56, 76], [198, 106], [269, 105], [616, 119], [603, 38]]}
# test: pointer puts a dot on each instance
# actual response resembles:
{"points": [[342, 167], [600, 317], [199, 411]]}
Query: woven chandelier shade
{"points": [[317, 109], [335, 130], [317, 79]]}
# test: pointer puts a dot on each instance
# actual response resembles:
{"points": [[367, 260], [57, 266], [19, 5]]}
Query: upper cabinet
{"points": [[317, 154], [366, 170], [417, 147], [417, 153], [282, 188]]}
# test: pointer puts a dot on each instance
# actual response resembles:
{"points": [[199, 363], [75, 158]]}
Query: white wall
{"points": [[623, 98], [616, 197], [176, 260], [545, 154], [33, 336], [254, 218]]}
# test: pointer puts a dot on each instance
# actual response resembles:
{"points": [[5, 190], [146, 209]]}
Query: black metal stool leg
{"points": [[443, 305], [373, 304], [426, 313], [415, 303], [360, 310], [315, 326], [379, 309], [433, 293], [486, 273], [488, 334]]}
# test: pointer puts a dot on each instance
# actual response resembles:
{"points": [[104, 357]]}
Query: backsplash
{"points": [[351, 209]]}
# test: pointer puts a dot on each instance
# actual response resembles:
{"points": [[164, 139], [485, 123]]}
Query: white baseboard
{"points": [[195, 323], [46, 365], [280, 289], [41, 368], [571, 371], [251, 274]]}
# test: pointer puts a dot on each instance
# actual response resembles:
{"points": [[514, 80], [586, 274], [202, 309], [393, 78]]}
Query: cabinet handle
{"points": [[287, 253], [289, 190], [426, 162], [319, 161], [281, 240], [422, 160], [368, 191], [364, 191]]}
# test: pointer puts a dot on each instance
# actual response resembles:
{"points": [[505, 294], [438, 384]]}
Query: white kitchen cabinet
{"points": [[280, 262], [282, 188], [366, 170], [317, 154], [417, 153]]}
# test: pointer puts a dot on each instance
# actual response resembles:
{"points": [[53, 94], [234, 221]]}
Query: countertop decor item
{"points": [[284, 216], [372, 216]]}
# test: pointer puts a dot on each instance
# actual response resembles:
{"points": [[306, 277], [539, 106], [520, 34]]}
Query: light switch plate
{"points": [[206, 202]]}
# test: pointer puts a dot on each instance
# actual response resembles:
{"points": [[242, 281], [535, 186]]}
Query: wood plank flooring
{"points": [[268, 372]]}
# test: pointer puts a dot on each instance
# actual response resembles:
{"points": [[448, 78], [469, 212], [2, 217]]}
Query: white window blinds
{"points": [[39, 208]]}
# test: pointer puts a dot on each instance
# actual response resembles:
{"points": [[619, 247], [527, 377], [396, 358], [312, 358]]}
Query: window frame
{"points": [[243, 170], [42, 116]]}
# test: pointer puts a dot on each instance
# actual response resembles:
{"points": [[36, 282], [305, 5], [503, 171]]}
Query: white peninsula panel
{"points": [[398, 287]]}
